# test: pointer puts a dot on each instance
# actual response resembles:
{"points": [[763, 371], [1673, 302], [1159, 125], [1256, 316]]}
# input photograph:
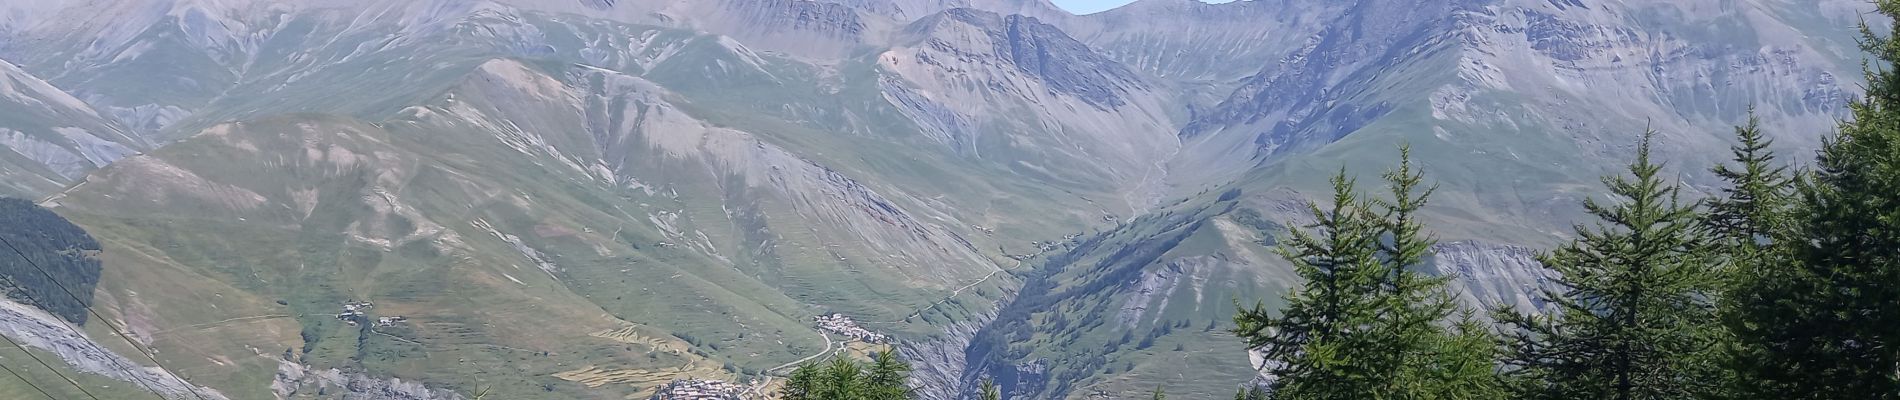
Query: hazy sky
{"points": [[1090, 6]]}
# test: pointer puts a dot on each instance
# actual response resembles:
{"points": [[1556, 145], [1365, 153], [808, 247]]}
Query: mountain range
{"points": [[591, 198]]}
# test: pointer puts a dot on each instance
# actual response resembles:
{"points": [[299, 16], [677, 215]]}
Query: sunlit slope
{"points": [[518, 215]]}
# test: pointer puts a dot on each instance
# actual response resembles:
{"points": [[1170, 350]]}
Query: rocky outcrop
{"points": [[1686, 74], [34, 328], [829, 19], [1202, 43], [941, 361], [298, 380], [1022, 94], [820, 30], [1487, 275], [1313, 96], [1037, 49]]}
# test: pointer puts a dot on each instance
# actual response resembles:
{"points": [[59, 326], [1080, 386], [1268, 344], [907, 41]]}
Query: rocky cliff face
{"points": [[1111, 312], [1022, 93], [818, 30], [941, 361], [1038, 49], [1684, 66], [1490, 276], [1206, 44], [1315, 95]]}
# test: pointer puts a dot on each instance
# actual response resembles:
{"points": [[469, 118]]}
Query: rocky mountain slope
{"points": [[1515, 108], [52, 138], [501, 188], [588, 198]]}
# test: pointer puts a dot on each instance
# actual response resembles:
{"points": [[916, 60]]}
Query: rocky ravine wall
{"points": [[1487, 275], [940, 362]]}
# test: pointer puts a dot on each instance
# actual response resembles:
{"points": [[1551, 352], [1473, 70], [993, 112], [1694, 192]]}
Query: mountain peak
{"points": [[1043, 9], [1033, 47]]}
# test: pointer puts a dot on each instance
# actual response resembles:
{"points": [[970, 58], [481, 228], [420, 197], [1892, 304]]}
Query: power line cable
{"points": [[115, 330], [49, 367], [137, 378], [28, 381]]}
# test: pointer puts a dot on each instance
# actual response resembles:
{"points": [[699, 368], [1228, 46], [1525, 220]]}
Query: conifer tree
{"points": [[1424, 359], [1250, 392], [989, 390], [1313, 347], [1632, 319], [842, 379], [1367, 322], [1823, 320], [1463, 362], [1744, 221], [888, 377], [804, 384], [1749, 209]]}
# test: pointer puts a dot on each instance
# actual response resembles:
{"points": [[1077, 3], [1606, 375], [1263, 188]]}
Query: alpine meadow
{"points": [[950, 200]]}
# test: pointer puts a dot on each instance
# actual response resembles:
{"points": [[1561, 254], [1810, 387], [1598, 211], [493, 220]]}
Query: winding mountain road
{"points": [[827, 350]]}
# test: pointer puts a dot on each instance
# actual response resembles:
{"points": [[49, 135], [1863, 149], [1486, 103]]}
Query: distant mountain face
{"points": [[591, 197], [53, 138]]}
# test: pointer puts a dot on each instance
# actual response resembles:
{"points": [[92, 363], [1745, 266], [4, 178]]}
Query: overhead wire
{"points": [[49, 367], [29, 382], [136, 377]]}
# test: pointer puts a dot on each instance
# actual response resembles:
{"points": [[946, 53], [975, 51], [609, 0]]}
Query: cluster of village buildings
{"points": [[357, 311], [842, 325], [705, 389], [354, 311], [695, 389]]}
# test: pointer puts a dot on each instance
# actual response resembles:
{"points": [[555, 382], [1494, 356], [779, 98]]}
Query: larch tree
{"points": [[805, 383], [1746, 221], [1750, 208], [1633, 317], [1315, 346], [1822, 321], [990, 392], [885, 378], [1251, 392], [1368, 321], [888, 378], [1428, 353]]}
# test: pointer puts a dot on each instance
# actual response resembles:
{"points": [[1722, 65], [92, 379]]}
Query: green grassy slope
{"points": [[469, 216]]}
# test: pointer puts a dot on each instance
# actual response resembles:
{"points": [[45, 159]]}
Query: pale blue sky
{"points": [[1091, 6]]}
